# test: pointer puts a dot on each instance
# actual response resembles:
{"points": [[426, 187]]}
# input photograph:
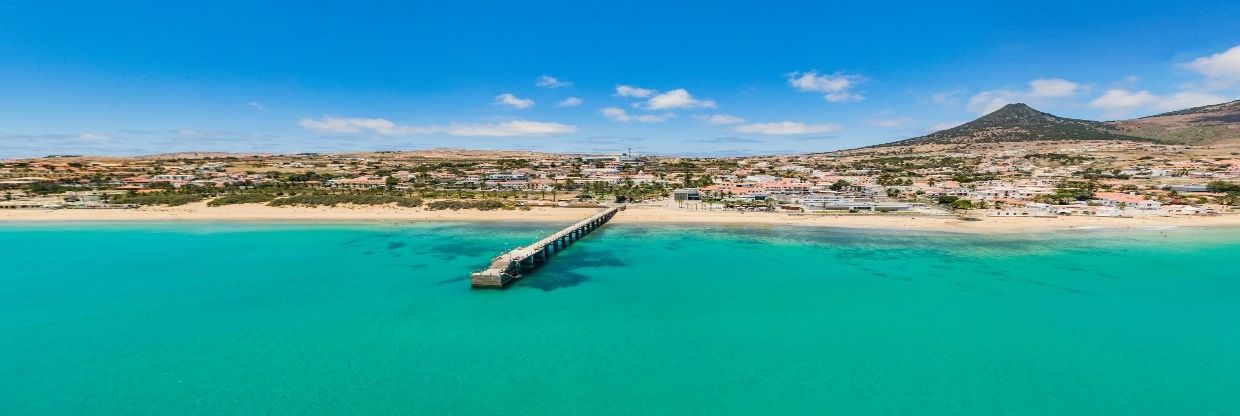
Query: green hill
{"points": [[1019, 122]]}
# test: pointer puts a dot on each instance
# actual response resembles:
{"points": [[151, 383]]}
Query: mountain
{"points": [[1205, 125], [1019, 122]]}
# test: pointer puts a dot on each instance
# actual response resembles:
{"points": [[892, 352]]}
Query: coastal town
{"points": [[1027, 179]]}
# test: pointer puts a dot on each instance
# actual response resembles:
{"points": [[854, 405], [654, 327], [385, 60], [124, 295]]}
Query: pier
{"points": [[509, 266]]}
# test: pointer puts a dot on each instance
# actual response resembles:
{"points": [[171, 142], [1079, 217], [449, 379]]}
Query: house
{"points": [[514, 176], [361, 182], [172, 178], [1038, 207], [1188, 188], [1118, 199]]}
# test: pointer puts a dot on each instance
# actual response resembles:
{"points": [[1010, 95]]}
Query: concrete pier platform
{"points": [[508, 267]]}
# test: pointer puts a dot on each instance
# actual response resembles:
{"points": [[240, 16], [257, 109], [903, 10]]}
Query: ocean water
{"points": [[248, 318]]}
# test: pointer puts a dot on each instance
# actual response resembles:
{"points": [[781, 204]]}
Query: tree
{"points": [[44, 188], [1230, 191], [947, 199], [1222, 187], [391, 182], [1230, 199], [840, 185]]}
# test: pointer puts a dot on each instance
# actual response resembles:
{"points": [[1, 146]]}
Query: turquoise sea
{"points": [[250, 318]]}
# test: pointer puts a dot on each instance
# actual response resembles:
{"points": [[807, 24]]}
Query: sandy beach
{"points": [[633, 215]]}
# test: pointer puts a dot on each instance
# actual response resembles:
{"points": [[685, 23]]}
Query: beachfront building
{"points": [[839, 203], [686, 194]]}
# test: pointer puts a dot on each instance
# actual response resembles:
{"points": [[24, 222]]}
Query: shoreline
{"points": [[633, 215]]}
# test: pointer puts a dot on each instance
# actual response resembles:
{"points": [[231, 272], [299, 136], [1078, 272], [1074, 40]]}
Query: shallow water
{"points": [[252, 318]]}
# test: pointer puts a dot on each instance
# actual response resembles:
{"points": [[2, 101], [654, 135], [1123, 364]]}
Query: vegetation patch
{"points": [[240, 199], [482, 205], [171, 200], [335, 199], [1059, 158]]}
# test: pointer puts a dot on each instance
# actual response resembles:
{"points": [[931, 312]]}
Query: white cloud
{"points": [[1119, 101], [511, 101], [787, 128], [890, 123], [630, 91], [837, 87], [337, 125], [843, 97], [1188, 99], [618, 114], [510, 128], [945, 125], [945, 97], [674, 99], [1040, 91], [256, 105], [1221, 69], [812, 81], [352, 125], [547, 81], [719, 119], [1052, 88], [677, 98], [987, 101], [187, 133], [569, 102], [92, 136]]}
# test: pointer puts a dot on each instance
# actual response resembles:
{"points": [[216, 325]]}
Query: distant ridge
{"points": [[1205, 125], [1018, 123], [1231, 107]]}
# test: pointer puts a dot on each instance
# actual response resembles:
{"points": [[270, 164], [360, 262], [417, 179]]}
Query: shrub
{"points": [[962, 204], [171, 200], [1222, 187], [240, 199]]}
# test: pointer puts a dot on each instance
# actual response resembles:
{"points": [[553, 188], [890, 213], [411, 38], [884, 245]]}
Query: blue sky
{"points": [[705, 78]]}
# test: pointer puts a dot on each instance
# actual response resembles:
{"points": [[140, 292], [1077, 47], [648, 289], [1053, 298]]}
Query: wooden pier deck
{"points": [[508, 266]]}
